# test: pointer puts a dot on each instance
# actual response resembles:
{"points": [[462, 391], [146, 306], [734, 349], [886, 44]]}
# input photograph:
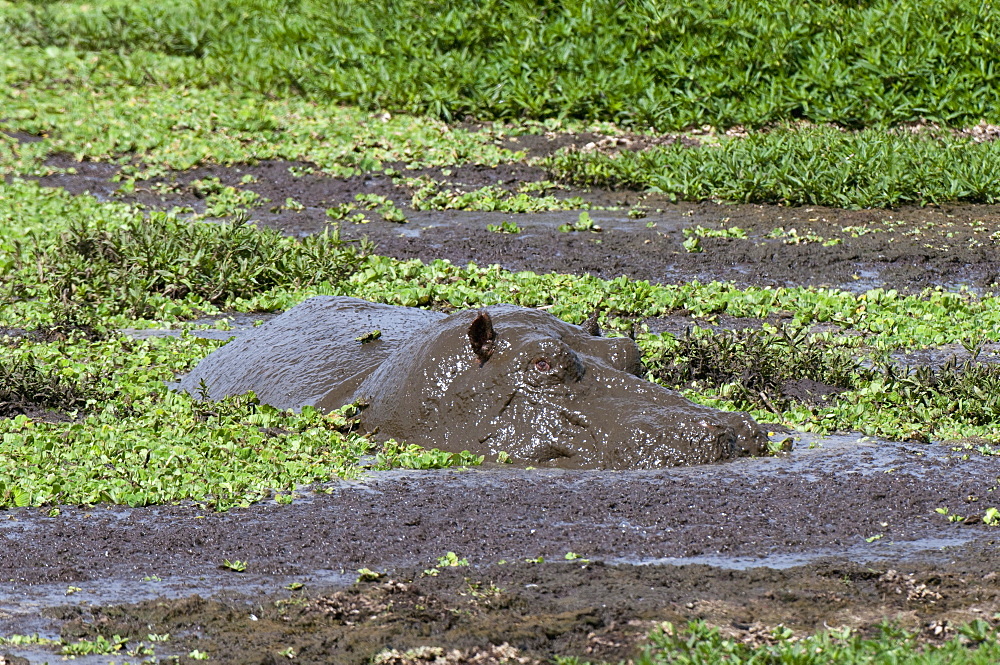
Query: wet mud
{"points": [[801, 540], [841, 531], [908, 249]]}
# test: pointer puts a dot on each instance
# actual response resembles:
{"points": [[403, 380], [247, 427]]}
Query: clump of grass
{"points": [[121, 268], [665, 65], [431, 195], [967, 391], [976, 643], [814, 166], [27, 387], [812, 381], [752, 367]]}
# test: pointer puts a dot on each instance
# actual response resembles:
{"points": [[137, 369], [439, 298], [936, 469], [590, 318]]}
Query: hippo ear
{"points": [[482, 337], [591, 326]]}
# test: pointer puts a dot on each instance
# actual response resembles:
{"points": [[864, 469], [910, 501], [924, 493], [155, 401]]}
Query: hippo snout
{"points": [[655, 436]]}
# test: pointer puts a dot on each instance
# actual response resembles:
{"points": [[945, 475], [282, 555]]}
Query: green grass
{"points": [[669, 65], [173, 118], [803, 166], [976, 643], [698, 643]]}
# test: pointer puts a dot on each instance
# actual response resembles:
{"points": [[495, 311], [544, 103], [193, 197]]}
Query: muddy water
{"points": [[907, 249], [694, 542]]}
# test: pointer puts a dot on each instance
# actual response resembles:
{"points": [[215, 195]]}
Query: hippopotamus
{"points": [[501, 379]]}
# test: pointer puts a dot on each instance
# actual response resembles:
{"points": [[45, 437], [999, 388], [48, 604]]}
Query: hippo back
{"points": [[310, 355]]}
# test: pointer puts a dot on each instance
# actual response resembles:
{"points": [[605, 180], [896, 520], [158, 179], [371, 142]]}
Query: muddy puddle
{"points": [[906, 249], [816, 535]]}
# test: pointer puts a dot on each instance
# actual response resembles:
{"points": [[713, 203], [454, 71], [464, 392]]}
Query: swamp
{"points": [[793, 209]]}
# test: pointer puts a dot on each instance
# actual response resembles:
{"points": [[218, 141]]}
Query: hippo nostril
{"points": [[543, 365]]}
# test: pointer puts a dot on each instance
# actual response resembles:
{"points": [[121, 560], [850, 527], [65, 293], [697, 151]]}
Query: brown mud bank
{"points": [[906, 249], [528, 611], [808, 540]]}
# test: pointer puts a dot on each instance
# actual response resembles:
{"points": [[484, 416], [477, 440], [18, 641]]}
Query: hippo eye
{"points": [[543, 365]]}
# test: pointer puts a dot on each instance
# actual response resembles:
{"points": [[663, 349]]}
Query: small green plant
{"points": [[504, 227], [235, 565], [479, 590], [431, 195], [100, 645], [699, 231], [792, 237], [27, 640], [411, 456], [381, 205], [370, 336], [341, 211], [222, 201], [583, 223], [451, 560], [368, 575], [692, 245]]}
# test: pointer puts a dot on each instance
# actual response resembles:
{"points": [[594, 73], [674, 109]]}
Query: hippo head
{"points": [[546, 392]]}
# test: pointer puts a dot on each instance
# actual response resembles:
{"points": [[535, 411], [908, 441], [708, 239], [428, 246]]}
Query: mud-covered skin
{"points": [[547, 393], [310, 354]]}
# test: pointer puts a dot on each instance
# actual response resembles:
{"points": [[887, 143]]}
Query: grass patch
{"points": [[975, 643], [87, 105], [26, 388], [63, 97], [814, 381], [115, 260], [665, 65], [800, 166], [138, 266], [751, 367]]}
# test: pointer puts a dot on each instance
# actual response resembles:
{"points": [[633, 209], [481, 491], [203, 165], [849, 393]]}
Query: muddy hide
{"points": [[503, 379]]}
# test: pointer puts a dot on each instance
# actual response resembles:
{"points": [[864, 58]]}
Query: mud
{"points": [[907, 249], [505, 380], [841, 531], [802, 539]]}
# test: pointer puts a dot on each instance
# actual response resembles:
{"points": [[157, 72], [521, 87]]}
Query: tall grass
{"points": [[814, 166], [666, 64]]}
